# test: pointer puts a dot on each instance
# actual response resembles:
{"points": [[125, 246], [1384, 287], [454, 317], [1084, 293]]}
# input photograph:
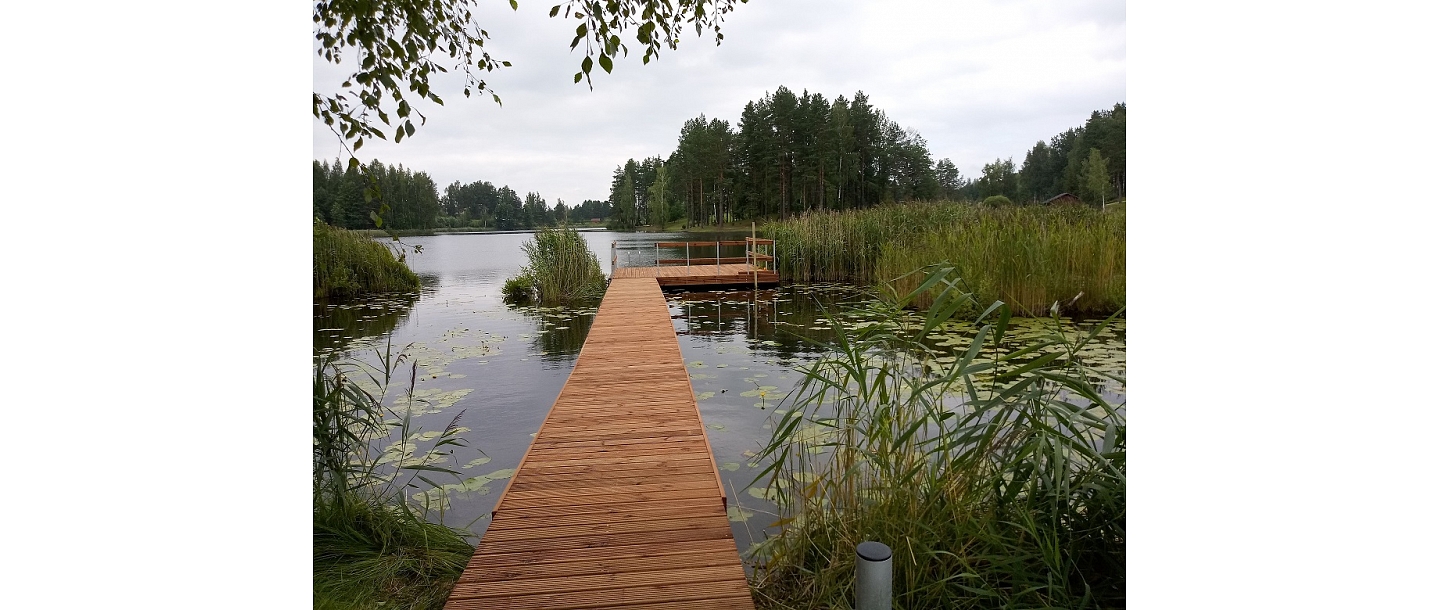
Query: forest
{"points": [[408, 200], [789, 154]]}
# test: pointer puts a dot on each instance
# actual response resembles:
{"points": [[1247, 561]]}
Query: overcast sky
{"points": [[978, 80]]}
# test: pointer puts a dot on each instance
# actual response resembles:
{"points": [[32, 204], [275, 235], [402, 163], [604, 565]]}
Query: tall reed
{"points": [[371, 547], [994, 491], [346, 264], [561, 267], [1030, 256]]}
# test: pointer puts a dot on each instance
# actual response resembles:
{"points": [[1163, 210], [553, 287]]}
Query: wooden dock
{"points": [[716, 270], [618, 502], [742, 274]]}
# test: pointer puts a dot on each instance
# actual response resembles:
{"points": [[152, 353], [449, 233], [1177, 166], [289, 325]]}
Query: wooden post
{"points": [[754, 269]]}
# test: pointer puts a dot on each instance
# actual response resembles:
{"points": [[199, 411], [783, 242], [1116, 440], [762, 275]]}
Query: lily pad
{"points": [[737, 514], [704, 395], [764, 391], [730, 466], [501, 474], [770, 494]]}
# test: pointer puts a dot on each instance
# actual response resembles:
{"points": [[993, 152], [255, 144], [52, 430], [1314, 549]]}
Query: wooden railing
{"points": [[758, 253], [751, 257]]}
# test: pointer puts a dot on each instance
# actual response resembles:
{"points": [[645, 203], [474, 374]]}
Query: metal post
{"points": [[717, 254], [872, 576], [612, 258], [687, 254]]}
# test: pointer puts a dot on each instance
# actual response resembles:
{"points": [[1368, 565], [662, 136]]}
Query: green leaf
{"points": [[555, 10], [514, 6], [606, 63], [409, 129], [586, 64], [578, 76], [399, 133]]}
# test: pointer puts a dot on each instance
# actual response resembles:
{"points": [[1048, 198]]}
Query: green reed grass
{"points": [[561, 266], [1030, 256], [347, 263], [372, 548], [993, 490]]}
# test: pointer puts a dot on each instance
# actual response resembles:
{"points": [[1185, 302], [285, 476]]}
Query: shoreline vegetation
{"points": [[372, 547], [346, 264], [996, 488], [1030, 257]]}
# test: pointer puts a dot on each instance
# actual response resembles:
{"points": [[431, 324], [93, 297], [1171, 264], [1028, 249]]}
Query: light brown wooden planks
{"points": [[618, 501], [700, 275]]}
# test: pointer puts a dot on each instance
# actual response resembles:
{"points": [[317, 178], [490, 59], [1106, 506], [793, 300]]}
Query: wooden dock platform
{"points": [[618, 502], [752, 269], [702, 275]]}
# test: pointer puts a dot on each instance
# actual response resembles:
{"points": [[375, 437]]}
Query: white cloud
{"points": [[977, 79]]}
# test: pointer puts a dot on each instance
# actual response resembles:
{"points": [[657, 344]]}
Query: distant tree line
{"points": [[340, 197], [1087, 161], [409, 200], [790, 153]]}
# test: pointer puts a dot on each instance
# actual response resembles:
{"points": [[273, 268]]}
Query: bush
{"points": [[561, 267], [519, 289], [995, 201]]}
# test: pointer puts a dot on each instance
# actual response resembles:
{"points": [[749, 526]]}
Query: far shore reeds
{"points": [[1028, 256]]}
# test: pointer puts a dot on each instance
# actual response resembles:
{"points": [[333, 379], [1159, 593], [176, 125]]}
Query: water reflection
{"points": [[559, 331], [338, 324]]}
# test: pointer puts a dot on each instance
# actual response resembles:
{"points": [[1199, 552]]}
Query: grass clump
{"points": [[996, 201], [347, 264], [994, 490], [561, 268], [519, 289], [372, 548], [1030, 256]]}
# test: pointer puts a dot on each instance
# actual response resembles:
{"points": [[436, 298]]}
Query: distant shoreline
{"points": [[442, 231]]}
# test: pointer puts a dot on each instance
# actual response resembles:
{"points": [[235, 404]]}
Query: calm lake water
{"points": [[495, 369]]}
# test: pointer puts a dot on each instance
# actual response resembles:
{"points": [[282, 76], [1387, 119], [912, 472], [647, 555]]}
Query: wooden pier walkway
{"points": [[618, 502]]}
